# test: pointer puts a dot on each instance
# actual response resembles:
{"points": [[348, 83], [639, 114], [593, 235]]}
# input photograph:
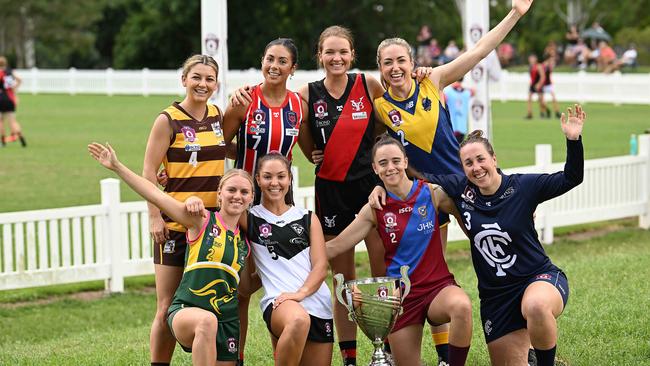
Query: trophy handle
{"points": [[404, 270], [340, 285]]}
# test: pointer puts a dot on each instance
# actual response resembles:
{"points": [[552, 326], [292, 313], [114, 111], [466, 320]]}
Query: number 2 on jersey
{"points": [[393, 238], [402, 137]]}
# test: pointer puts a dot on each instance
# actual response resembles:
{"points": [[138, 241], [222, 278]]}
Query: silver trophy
{"points": [[374, 304]]}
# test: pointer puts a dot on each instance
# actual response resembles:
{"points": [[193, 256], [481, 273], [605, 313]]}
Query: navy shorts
{"points": [[501, 314], [320, 330]]}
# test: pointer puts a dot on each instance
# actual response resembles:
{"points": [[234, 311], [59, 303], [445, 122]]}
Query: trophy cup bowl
{"points": [[374, 304]]}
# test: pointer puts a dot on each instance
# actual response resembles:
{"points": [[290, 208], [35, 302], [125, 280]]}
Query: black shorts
{"points": [[501, 314], [320, 330], [338, 203], [532, 90], [6, 105], [171, 252]]}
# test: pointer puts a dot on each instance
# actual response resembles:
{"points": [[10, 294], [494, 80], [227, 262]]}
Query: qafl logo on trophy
{"points": [[211, 44], [491, 243]]}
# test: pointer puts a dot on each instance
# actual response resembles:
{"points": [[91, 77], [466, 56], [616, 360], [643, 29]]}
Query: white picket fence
{"points": [[579, 86], [110, 241]]}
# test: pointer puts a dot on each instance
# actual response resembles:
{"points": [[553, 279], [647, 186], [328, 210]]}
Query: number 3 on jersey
{"points": [[468, 217]]}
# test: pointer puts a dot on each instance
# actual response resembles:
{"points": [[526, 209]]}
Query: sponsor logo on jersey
{"points": [[330, 222], [292, 118], [469, 195], [359, 115], [297, 228], [543, 276], [270, 246], [192, 147], [232, 345], [216, 128], [466, 207], [339, 108], [276, 114], [509, 191], [427, 227], [189, 134], [426, 104], [410, 105], [320, 109], [169, 247], [493, 245], [265, 230], [324, 123], [405, 209], [299, 241], [390, 221], [395, 118]]}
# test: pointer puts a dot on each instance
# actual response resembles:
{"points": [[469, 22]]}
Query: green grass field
{"points": [[606, 321], [56, 171]]}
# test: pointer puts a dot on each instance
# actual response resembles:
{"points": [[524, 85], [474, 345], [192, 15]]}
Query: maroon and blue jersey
{"points": [[267, 129], [343, 128], [410, 233], [505, 248]]}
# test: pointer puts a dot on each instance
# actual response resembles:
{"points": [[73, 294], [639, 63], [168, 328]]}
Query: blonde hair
{"points": [[199, 59], [234, 173], [334, 31], [390, 42]]}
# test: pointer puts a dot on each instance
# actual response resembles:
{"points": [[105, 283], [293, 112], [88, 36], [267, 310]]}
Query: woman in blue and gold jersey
{"points": [[187, 138], [204, 308]]}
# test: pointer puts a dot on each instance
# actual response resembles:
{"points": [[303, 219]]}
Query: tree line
{"points": [[132, 34]]}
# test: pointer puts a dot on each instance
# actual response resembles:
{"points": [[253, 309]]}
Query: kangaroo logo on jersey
{"points": [[265, 230], [292, 118], [211, 289], [390, 221], [320, 109], [189, 134], [330, 222], [395, 118], [426, 104], [492, 243]]}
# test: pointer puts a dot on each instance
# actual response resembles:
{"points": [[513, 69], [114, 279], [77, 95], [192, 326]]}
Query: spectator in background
{"points": [[571, 50], [627, 60], [424, 39], [451, 52], [606, 59], [434, 52], [506, 53], [551, 50], [9, 83], [582, 54], [457, 99]]}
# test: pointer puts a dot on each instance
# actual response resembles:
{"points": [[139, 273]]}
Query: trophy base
{"points": [[381, 358]]}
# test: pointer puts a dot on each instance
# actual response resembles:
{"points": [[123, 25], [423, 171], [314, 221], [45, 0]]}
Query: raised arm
{"points": [[448, 73], [157, 146], [106, 156], [353, 234]]}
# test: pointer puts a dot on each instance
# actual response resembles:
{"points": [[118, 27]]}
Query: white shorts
{"points": [[547, 88]]}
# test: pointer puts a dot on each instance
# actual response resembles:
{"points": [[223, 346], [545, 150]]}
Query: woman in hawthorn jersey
{"points": [[187, 138], [522, 292], [203, 315], [409, 229]]}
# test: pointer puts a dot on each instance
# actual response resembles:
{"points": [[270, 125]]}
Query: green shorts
{"points": [[227, 336]]}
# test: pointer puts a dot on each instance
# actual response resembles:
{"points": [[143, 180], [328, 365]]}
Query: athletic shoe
{"points": [[529, 116], [558, 115], [532, 358]]}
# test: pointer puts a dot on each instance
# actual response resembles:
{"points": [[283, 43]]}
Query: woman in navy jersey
{"points": [[522, 292], [410, 233]]}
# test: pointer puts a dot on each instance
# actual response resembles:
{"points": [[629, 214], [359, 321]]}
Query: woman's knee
{"points": [[536, 307], [298, 322], [206, 326], [461, 308]]}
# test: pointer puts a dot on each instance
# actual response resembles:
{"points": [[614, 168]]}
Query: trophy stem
{"points": [[379, 357]]}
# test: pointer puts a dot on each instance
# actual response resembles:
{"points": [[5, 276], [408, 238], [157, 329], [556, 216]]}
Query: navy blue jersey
{"points": [[504, 244]]}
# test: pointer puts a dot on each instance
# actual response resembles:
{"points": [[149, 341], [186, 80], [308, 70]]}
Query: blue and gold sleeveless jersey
{"points": [[213, 262], [422, 124]]}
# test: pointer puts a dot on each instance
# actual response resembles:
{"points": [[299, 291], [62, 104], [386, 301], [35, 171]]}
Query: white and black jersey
{"points": [[282, 256]]}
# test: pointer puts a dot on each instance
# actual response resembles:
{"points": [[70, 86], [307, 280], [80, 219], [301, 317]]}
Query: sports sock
{"points": [[545, 357], [22, 141], [457, 355], [441, 340], [4, 142], [349, 352], [160, 364]]}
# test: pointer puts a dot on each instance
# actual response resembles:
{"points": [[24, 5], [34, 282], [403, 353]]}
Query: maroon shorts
{"points": [[416, 307]]}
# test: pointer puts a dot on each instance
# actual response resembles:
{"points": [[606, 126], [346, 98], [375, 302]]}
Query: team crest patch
{"points": [[422, 211], [469, 195], [298, 228], [395, 118], [216, 231], [357, 105], [390, 221], [382, 292], [320, 109], [169, 247], [232, 345], [265, 230], [330, 222], [292, 118], [189, 134], [426, 104]]}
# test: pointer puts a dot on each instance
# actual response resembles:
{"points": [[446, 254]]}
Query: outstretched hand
{"points": [[521, 6], [572, 122], [105, 155]]}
